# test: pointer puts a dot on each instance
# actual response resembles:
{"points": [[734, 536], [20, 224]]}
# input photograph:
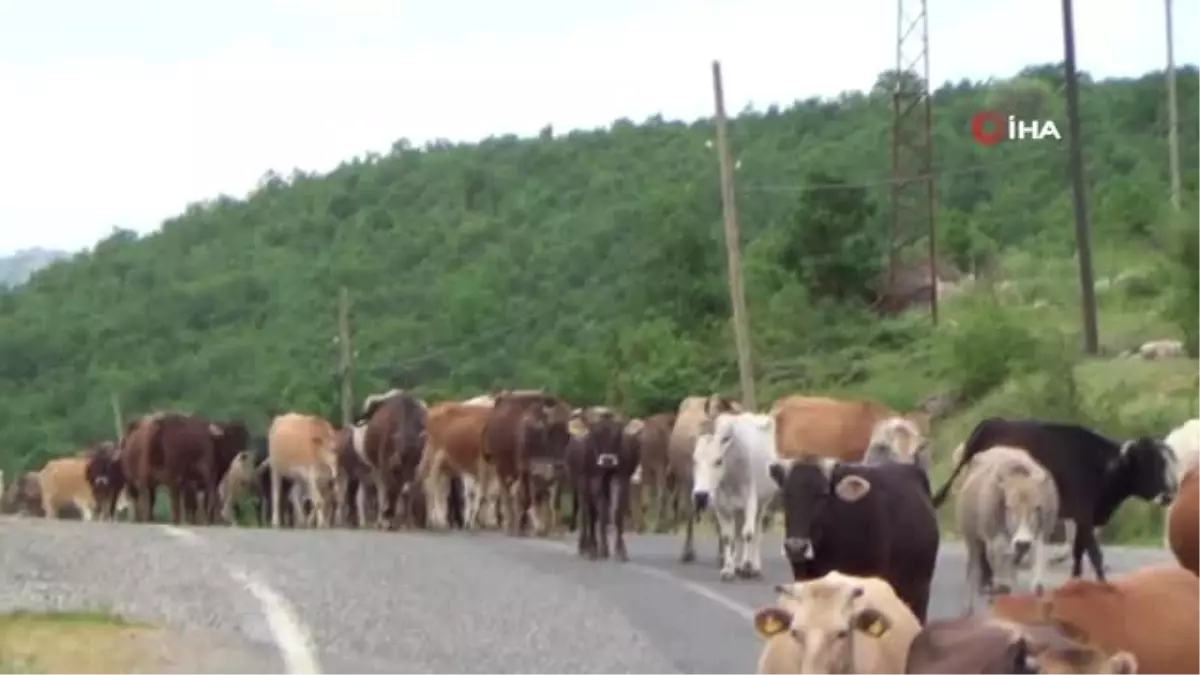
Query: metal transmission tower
{"points": [[913, 198]]}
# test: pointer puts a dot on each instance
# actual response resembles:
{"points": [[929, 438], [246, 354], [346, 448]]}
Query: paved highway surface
{"points": [[369, 602]]}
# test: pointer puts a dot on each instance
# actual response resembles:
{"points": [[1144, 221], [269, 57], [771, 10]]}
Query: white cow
{"points": [[731, 464], [1185, 442]]}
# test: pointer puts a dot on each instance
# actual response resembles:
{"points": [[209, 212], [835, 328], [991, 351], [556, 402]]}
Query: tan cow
{"points": [[830, 427], [694, 412], [301, 447], [836, 624], [63, 482], [454, 445], [654, 439]]}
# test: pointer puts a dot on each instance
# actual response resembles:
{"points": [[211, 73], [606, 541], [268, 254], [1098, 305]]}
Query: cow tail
{"points": [[970, 448]]}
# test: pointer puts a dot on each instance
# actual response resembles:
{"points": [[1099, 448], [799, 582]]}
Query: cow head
{"points": [[1056, 646], [1026, 517], [808, 487], [606, 439], [1148, 466], [712, 457], [826, 617], [898, 439]]}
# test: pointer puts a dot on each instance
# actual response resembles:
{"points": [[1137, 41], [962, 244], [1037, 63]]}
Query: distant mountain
{"points": [[16, 268]]}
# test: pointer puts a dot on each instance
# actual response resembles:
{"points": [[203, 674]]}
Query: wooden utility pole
{"points": [[1172, 114], [741, 320], [345, 358], [118, 419], [1083, 235]]}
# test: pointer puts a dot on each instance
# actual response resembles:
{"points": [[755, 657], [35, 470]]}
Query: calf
{"points": [[836, 624], [24, 496], [1093, 474], [971, 645], [240, 481], [653, 440], [600, 465], [731, 472], [1006, 507], [63, 482], [897, 439], [860, 519], [1184, 441], [391, 446], [454, 448], [354, 475], [301, 447], [1151, 613]]}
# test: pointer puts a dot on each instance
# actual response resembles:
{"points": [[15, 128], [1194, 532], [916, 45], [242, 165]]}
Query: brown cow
{"points": [[829, 427], [1152, 613], [524, 428], [694, 411], [107, 479], [977, 645], [354, 475], [392, 446], [176, 451], [653, 442], [301, 447], [454, 446], [1183, 522], [63, 482]]}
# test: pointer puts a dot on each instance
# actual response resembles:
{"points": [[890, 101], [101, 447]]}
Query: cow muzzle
{"points": [[607, 460], [700, 500], [1164, 498], [798, 548], [1020, 549]]}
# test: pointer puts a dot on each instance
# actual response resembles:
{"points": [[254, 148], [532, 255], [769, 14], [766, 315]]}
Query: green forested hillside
{"points": [[591, 263]]}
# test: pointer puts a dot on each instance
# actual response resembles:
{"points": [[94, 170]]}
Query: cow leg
{"points": [[276, 495], [604, 512], [750, 567], [975, 553], [1085, 540], [48, 509], [341, 500], [1003, 566], [435, 494], [175, 495], [524, 499], [300, 515], [726, 530], [623, 499], [1039, 565], [685, 510], [87, 508], [316, 492], [659, 499], [587, 543], [381, 500]]}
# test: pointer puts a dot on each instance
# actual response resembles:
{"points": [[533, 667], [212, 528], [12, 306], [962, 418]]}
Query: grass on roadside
{"points": [[72, 642]]}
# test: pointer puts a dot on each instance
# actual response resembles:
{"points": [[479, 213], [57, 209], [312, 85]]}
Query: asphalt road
{"points": [[349, 601]]}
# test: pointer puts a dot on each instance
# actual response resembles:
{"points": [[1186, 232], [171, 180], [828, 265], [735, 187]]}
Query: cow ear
{"points": [[779, 471], [1124, 663], [872, 622], [852, 488], [771, 621]]}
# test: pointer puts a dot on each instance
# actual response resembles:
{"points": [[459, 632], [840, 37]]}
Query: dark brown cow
{"points": [[178, 452], [107, 479], [392, 446], [980, 645], [524, 428], [354, 474], [600, 464]]}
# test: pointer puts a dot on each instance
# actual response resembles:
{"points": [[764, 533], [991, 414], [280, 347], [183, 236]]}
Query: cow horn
{"points": [[215, 430]]}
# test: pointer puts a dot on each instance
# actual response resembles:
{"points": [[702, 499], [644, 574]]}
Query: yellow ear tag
{"points": [[876, 628], [770, 626]]}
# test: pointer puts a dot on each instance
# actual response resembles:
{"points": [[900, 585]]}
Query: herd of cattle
{"points": [[851, 479]]}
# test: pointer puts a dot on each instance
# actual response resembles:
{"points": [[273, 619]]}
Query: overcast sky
{"points": [[121, 112]]}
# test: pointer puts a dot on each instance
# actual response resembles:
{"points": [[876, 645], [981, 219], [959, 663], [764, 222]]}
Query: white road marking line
{"points": [[292, 638], [744, 611]]}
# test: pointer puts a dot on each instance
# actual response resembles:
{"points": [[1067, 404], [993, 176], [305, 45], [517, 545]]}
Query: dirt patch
{"points": [[94, 642]]}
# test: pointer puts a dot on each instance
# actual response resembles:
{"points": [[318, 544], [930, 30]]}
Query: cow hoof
{"points": [[622, 555], [687, 556], [749, 573], [727, 575]]}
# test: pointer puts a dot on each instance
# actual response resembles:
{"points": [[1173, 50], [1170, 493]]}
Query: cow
{"points": [[354, 475], [523, 428], [174, 450], [1183, 522], [392, 444], [1092, 473], [1184, 441], [454, 447], [731, 473], [836, 624], [63, 482], [897, 439], [106, 479], [239, 481], [976, 644], [1006, 508], [600, 464], [859, 519], [24, 496], [654, 439], [839, 429], [693, 411], [301, 447], [1151, 613]]}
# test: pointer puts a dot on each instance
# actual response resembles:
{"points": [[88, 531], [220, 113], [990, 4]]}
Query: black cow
{"points": [[1094, 474], [106, 478], [599, 464], [862, 520]]}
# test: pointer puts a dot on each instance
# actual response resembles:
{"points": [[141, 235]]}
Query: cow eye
{"points": [[843, 634]]}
